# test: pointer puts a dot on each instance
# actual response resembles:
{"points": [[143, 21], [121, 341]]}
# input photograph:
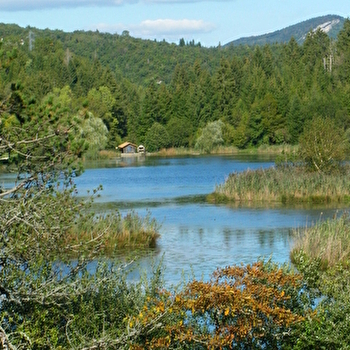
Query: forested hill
{"points": [[118, 88], [331, 24], [140, 61]]}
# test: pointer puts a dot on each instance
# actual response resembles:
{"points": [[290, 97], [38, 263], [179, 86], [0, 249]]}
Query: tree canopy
{"points": [[263, 94]]}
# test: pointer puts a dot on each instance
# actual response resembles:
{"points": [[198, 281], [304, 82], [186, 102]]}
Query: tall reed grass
{"points": [[94, 154], [227, 150], [285, 184], [328, 241], [113, 233]]}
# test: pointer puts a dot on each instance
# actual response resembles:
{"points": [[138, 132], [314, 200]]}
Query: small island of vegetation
{"points": [[316, 172]]}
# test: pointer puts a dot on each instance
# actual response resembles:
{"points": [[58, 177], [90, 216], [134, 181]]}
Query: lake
{"points": [[197, 237]]}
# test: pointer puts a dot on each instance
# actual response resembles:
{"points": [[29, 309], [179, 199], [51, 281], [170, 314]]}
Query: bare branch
{"points": [[13, 190]]}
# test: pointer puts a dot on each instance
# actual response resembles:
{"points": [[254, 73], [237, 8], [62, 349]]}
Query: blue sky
{"points": [[210, 22]]}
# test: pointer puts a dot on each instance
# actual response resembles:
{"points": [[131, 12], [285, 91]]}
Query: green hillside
{"points": [[140, 61], [167, 95]]}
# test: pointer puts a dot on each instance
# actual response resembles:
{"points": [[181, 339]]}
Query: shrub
{"points": [[211, 137], [322, 145], [322, 256], [256, 306]]}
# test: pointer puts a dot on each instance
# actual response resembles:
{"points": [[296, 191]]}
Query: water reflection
{"points": [[197, 237]]}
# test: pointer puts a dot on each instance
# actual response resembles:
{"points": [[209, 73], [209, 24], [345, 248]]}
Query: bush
{"points": [[257, 306], [322, 146], [211, 137], [321, 255]]}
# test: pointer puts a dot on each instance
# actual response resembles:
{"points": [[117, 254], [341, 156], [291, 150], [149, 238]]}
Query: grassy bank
{"points": [[221, 150], [100, 155], [188, 151], [284, 184], [328, 241], [114, 233], [322, 254]]}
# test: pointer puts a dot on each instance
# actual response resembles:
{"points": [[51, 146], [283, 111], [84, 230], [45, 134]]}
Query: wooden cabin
{"points": [[127, 148]]}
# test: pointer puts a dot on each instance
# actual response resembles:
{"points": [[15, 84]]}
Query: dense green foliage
{"points": [[210, 137], [55, 285], [321, 254], [324, 146], [262, 95]]}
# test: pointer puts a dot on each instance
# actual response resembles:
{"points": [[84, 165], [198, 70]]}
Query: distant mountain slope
{"points": [[331, 24]]}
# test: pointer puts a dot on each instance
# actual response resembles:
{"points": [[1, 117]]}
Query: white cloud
{"points": [[160, 28], [29, 5], [170, 26]]}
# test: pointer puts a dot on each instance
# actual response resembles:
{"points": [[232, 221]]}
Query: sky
{"points": [[209, 22]]}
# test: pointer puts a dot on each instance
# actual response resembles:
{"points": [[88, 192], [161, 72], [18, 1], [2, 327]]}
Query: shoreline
{"points": [[175, 152]]}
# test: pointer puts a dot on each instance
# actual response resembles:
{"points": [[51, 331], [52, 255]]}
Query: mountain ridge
{"points": [[331, 24]]}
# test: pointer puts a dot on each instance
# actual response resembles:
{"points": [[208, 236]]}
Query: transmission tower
{"points": [[31, 40]]}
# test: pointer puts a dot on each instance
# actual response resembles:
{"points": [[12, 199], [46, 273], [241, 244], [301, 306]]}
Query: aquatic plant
{"points": [[327, 241], [321, 254], [285, 184], [113, 232]]}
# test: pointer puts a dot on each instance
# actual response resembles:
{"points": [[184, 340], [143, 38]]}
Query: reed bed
{"points": [[94, 154], [328, 241], [285, 184], [273, 150], [173, 152], [107, 154], [113, 233]]}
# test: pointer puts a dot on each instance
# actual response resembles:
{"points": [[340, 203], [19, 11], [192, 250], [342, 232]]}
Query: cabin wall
{"points": [[129, 149]]}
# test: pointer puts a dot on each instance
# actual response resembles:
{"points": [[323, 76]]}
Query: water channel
{"points": [[197, 237]]}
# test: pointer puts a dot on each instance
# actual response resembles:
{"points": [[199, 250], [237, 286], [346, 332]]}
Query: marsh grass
{"points": [[287, 184], [113, 233], [275, 150], [107, 154], [173, 152], [99, 155], [328, 241]]}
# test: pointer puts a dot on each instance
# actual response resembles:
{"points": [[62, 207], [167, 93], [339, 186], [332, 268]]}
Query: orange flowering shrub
{"points": [[245, 307]]}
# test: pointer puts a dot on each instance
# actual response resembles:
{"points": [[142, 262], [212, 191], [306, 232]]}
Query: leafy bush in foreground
{"points": [[321, 254], [245, 307]]}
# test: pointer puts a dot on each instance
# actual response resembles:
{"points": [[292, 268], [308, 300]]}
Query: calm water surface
{"points": [[196, 237]]}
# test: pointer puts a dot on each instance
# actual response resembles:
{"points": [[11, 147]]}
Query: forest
{"points": [[167, 95]]}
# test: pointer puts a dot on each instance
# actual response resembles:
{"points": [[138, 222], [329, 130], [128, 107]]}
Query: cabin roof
{"points": [[126, 144]]}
